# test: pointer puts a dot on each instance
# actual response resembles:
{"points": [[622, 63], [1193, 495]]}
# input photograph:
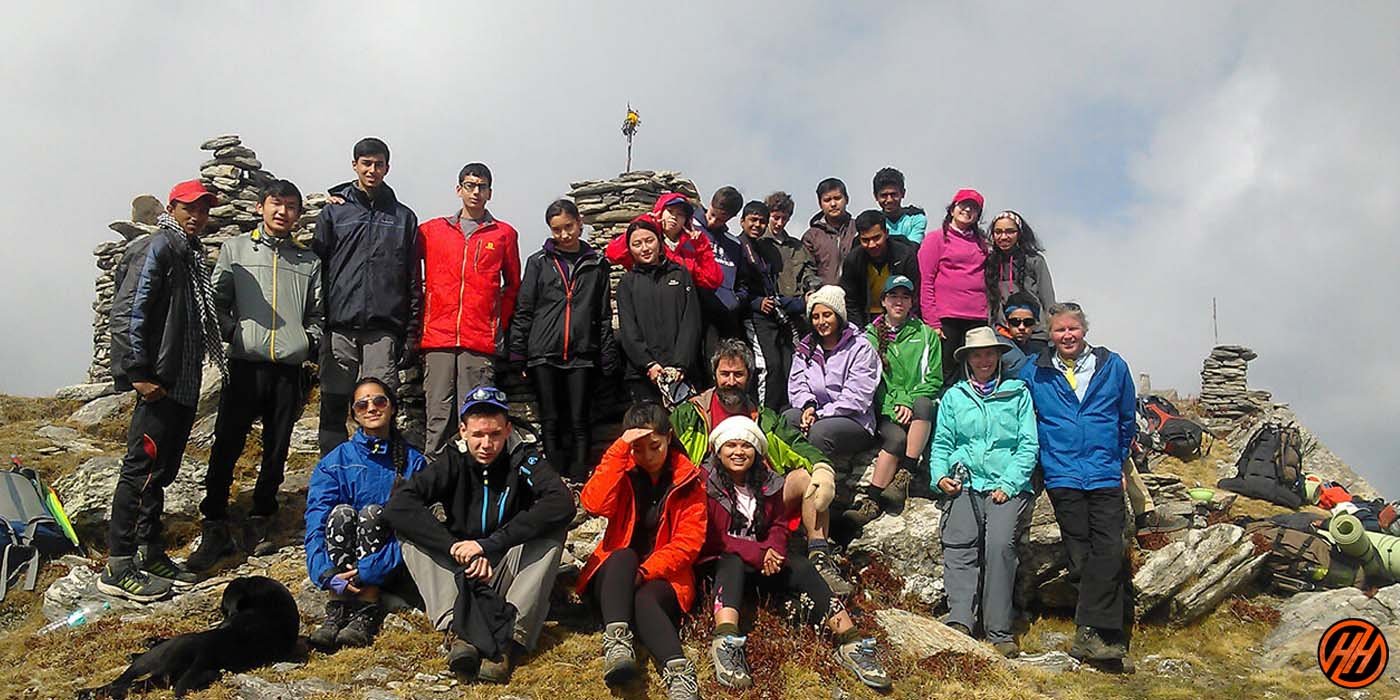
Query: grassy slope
{"points": [[788, 663]]}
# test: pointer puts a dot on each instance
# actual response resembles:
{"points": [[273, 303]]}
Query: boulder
{"points": [[1305, 616], [85, 392], [921, 637], [1168, 569], [87, 492], [910, 546], [101, 410]]}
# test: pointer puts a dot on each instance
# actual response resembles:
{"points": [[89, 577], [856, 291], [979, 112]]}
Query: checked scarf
{"points": [[201, 290]]}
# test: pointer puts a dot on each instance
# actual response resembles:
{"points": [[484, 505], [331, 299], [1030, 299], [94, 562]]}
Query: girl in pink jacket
{"points": [[952, 262]]}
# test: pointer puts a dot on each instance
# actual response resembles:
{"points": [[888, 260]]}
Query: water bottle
{"points": [[85, 613]]}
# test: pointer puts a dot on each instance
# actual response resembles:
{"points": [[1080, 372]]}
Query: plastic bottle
{"points": [[85, 613]]}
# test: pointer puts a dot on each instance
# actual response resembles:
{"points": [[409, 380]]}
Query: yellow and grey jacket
{"points": [[267, 291]]}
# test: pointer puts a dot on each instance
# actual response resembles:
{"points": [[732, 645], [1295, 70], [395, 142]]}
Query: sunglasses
{"points": [[1014, 322], [380, 401]]}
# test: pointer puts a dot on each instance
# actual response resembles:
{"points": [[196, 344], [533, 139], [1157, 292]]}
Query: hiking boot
{"points": [[858, 657], [1089, 645], [159, 564], [498, 671], [363, 625], [463, 658], [892, 497], [257, 536], [124, 579], [822, 562], [730, 662], [863, 513], [680, 681], [619, 659], [337, 616], [1153, 521], [215, 543], [1009, 650]]}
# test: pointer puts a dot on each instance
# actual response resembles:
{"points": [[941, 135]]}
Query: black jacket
{"points": [[658, 317], [150, 310], [370, 276], [902, 257], [515, 499], [789, 272], [563, 323]]}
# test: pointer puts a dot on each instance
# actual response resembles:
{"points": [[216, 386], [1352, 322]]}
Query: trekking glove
{"points": [[823, 487]]}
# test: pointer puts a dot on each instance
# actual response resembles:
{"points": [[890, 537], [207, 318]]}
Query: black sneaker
{"points": [[362, 627], [822, 562], [159, 564], [257, 536], [730, 662], [122, 578], [215, 543], [337, 616]]}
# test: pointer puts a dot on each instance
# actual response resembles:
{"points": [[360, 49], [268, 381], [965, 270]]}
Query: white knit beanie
{"points": [[831, 296], [739, 428]]}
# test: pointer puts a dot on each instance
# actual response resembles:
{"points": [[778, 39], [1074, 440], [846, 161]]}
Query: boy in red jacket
{"points": [[471, 276]]}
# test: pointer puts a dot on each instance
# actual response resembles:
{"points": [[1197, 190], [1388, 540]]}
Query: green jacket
{"points": [[995, 437], [913, 365], [787, 449]]}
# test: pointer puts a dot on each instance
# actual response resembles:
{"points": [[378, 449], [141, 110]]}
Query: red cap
{"points": [[190, 191], [969, 193]]}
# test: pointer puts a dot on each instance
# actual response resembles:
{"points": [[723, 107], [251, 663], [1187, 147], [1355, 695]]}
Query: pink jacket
{"points": [[953, 285]]}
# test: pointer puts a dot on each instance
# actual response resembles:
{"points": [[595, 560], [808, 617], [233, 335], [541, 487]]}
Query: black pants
{"points": [[955, 336], [651, 609], [558, 390], [775, 344], [155, 444], [352, 536], [797, 580], [1091, 525], [274, 392]]}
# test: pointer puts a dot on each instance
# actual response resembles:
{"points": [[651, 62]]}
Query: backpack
{"points": [[1301, 560], [1167, 431], [32, 526], [1271, 466]]}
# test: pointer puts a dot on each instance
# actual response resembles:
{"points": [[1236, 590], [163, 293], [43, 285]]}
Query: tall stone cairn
{"points": [[1225, 394]]}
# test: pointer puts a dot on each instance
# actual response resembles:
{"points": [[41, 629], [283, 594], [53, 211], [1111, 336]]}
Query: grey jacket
{"points": [[267, 292]]}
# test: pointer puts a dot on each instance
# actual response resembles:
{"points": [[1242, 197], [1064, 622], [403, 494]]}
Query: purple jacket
{"points": [[841, 383], [952, 284]]}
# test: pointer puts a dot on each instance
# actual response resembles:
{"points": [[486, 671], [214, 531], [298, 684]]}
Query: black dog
{"points": [[260, 626]]}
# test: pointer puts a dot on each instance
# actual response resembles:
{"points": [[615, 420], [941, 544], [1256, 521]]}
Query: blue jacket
{"points": [[994, 437], [359, 472], [911, 224], [1083, 445]]}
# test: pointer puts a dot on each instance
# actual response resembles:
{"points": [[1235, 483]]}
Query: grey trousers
{"points": [[347, 357], [524, 576], [448, 375], [995, 531]]}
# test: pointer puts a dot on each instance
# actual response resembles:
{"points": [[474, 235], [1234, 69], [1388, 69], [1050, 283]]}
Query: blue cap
{"points": [[484, 395], [896, 281]]}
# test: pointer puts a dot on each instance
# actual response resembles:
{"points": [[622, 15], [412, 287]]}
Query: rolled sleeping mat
{"points": [[1345, 530]]}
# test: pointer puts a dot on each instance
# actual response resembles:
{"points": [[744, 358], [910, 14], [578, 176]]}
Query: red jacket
{"points": [[679, 535], [694, 252], [470, 284]]}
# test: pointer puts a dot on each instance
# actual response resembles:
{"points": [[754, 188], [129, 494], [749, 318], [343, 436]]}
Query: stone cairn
{"points": [[1225, 394]]}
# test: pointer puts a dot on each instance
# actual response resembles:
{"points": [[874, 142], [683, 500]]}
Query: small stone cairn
{"points": [[1225, 394]]}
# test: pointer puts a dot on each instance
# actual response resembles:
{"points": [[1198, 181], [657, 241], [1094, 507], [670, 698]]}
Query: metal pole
{"points": [[1214, 320]]}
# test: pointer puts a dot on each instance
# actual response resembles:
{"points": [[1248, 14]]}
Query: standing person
{"points": [[746, 546], [797, 274], [832, 231], [952, 290], [562, 329], [642, 572], [350, 551], [1016, 263], [982, 457], [905, 221], [506, 510], [683, 243], [867, 268], [163, 328], [471, 274], [267, 292], [658, 314], [911, 375], [372, 286], [1086, 406], [768, 327], [1021, 314], [726, 308]]}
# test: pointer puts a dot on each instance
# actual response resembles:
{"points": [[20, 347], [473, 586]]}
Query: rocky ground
{"points": [[1205, 630]]}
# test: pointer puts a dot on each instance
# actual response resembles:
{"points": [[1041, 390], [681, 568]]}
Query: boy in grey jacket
{"points": [[267, 293]]}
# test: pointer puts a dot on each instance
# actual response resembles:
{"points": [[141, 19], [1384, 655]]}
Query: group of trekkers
{"points": [[757, 362]]}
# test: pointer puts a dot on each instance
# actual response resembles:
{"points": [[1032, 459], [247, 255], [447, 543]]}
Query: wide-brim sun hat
{"points": [[980, 337]]}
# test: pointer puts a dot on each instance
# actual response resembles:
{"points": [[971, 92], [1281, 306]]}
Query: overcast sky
{"points": [[1166, 155]]}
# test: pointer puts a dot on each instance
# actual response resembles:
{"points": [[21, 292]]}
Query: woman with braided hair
{"points": [[350, 550], [1016, 263]]}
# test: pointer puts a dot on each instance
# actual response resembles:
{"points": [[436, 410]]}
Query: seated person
{"points": [[506, 511], [350, 551], [746, 546], [642, 572], [835, 373]]}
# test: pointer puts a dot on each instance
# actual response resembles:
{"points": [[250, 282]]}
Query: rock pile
{"points": [[1225, 395]]}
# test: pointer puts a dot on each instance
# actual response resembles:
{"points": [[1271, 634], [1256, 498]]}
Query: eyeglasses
{"points": [[1014, 322], [474, 186], [487, 393], [380, 401], [1005, 231]]}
